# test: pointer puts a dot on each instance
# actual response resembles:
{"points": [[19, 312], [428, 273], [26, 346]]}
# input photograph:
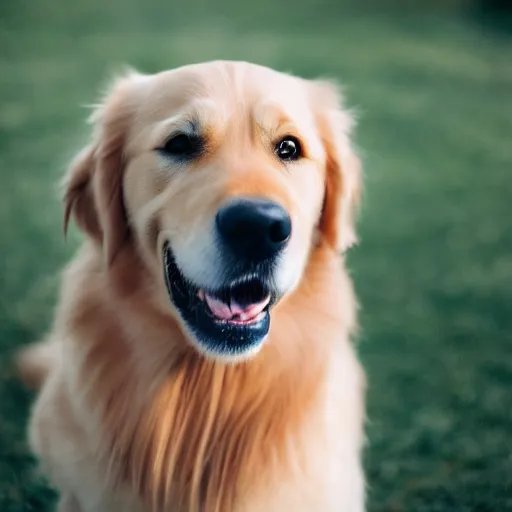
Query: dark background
{"points": [[433, 90]]}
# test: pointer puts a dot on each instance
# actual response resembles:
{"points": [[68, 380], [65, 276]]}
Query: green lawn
{"points": [[433, 271]]}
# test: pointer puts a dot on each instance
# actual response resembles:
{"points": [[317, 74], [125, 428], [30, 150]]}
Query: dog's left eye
{"points": [[288, 149], [183, 145]]}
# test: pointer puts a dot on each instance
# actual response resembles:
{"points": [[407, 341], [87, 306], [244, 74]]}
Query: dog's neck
{"points": [[207, 431]]}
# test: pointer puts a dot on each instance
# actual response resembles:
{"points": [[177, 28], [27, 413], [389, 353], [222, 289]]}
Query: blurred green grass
{"points": [[434, 269]]}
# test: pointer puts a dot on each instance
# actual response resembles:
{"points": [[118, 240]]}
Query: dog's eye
{"points": [[183, 146], [288, 149]]}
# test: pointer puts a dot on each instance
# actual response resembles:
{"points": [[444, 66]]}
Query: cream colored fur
{"points": [[131, 415]]}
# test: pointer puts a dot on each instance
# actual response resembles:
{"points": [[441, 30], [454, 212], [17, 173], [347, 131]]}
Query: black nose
{"points": [[254, 229]]}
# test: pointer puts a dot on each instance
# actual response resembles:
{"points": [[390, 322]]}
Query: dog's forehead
{"points": [[229, 87]]}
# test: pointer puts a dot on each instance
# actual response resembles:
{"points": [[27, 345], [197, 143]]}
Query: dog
{"points": [[200, 358]]}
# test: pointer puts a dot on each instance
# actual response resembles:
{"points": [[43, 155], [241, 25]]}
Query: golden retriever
{"points": [[200, 359]]}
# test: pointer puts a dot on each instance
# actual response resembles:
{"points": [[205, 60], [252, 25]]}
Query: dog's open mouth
{"points": [[231, 321]]}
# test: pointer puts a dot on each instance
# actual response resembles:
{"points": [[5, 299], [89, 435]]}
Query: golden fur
{"points": [[131, 416]]}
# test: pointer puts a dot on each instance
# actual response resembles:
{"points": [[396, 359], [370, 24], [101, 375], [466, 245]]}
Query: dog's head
{"points": [[224, 176]]}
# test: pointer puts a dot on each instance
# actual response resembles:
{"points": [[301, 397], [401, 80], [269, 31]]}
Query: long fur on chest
{"points": [[185, 430]]}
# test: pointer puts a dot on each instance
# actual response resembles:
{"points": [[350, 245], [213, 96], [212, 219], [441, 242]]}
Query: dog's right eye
{"points": [[183, 146]]}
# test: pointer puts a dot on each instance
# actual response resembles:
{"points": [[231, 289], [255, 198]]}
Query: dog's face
{"points": [[224, 176]]}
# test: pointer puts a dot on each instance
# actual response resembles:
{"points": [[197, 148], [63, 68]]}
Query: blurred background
{"points": [[432, 86]]}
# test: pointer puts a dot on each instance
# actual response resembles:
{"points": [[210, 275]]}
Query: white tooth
{"points": [[200, 294]]}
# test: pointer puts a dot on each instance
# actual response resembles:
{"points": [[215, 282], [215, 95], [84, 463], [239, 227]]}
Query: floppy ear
{"points": [[93, 183], [343, 169]]}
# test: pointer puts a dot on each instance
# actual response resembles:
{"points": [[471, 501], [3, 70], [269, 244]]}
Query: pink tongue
{"points": [[225, 312], [218, 308]]}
